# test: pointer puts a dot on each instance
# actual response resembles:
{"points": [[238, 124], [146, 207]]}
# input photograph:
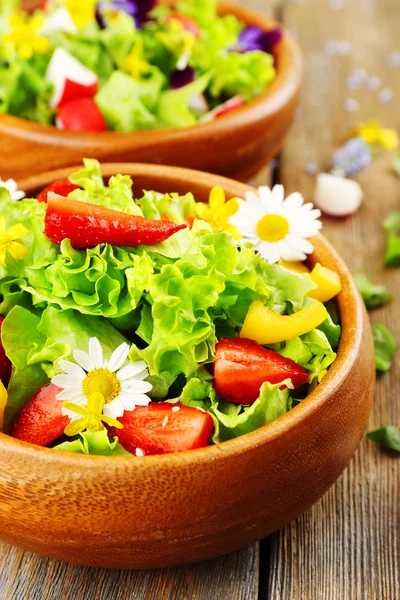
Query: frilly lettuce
{"points": [[35, 342], [233, 420], [202, 11], [175, 207], [173, 109], [94, 442]]}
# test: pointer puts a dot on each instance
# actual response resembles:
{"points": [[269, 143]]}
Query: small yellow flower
{"points": [[81, 11], [135, 64], [3, 402], [92, 419], [25, 37], [374, 135], [8, 241], [218, 211]]}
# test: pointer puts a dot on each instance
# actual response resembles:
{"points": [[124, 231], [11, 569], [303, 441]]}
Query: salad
{"points": [[157, 324], [129, 65]]}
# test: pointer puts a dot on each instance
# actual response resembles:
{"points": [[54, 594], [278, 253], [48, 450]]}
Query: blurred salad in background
{"points": [[129, 65]]}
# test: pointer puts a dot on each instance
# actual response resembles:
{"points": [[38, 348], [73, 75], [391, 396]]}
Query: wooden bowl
{"points": [[237, 144], [157, 511]]}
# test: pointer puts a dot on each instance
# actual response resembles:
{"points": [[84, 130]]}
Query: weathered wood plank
{"points": [[347, 547]]}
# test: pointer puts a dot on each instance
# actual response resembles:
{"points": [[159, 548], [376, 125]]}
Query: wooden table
{"points": [[347, 547]]}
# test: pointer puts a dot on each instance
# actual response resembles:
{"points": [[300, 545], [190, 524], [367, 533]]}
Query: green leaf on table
{"points": [[389, 437], [392, 227], [385, 347], [396, 163], [372, 294]]}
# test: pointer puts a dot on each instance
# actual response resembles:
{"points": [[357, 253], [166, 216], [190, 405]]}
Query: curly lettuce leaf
{"points": [[392, 227], [176, 208], [128, 104], [242, 74], [272, 403], [106, 280], [35, 343], [389, 437], [95, 443], [117, 195], [202, 11]]}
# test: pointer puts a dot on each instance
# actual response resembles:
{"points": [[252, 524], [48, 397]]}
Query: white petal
{"points": [[251, 198], [77, 397], [114, 409], [141, 400], [96, 352], [131, 370], [290, 253], [292, 202], [127, 401], [299, 243], [136, 387], [118, 357], [269, 251], [64, 381], [84, 360], [72, 369]]}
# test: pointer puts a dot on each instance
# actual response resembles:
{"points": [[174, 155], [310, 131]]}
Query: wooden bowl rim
{"points": [[289, 63], [351, 309]]}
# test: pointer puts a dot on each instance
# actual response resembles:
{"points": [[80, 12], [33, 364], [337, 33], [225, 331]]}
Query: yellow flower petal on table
{"points": [[375, 135], [268, 327], [218, 211], [3, 402]]}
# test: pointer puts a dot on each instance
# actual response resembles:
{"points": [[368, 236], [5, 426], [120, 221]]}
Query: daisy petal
{"points": [[118, 357], [141, 400], [136, 387], [72, 369], [96, 352], [132, 370], [114, 409], [63, 381], [84, 360]]}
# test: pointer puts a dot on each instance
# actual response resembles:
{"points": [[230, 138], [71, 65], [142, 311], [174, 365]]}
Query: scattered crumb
{"points": [[290, 386], [176, 408], [338, 47], [394, 59], [311, 169], [139, 452], [165, 421]]}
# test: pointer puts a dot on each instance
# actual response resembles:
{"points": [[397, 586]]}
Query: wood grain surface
{"points": [[347, 547]]}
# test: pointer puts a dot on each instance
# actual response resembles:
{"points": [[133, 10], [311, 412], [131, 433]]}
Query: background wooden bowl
{"points": [[237, 144], [166, 510]]}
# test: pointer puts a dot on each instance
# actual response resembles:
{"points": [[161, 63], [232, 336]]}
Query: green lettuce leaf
{"points": [[173, 109], [202, 11], [34, 344], [272, 403], [94, 442], [242, 74], [117, 195], [372, 294], [175, 207], [105, 280], [128, 104], [392, 227], [385, 347]]}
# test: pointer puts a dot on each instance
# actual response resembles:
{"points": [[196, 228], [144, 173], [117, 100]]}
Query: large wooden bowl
{"points": [[235, 145], [179, 508]]}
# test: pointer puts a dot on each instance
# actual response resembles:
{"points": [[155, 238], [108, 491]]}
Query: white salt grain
{"points": [[164, 423], [176, 408], [139, 452]]}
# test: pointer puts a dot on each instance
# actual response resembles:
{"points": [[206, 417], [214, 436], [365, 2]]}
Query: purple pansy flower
{"points": [[254, 38], [139, 9], [179, 78]]}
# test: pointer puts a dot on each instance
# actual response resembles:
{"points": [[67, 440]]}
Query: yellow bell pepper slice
{"points": [[3, 402], [295, 267], [328, 283], [267, 327]]}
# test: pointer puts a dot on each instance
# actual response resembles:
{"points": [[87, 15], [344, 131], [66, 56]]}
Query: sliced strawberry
{"points": [[242, 366], [62, 187], [41, 421], [80, 114], [87, 225], [159, 429], [5, 363]]}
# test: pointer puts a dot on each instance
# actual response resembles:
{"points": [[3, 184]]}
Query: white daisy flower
{"points": [[123, 387], [277, 228], [12, 187]]}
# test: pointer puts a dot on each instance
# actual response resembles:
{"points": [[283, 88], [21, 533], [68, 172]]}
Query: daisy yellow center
{"points": [[272, 228], [102, 381]]}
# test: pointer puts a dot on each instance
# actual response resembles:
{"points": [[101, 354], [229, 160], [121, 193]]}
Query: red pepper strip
{"points": [[5, 363], [62, 187], [159, 429], [87, 225], [41, 421], [242, 366]]}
